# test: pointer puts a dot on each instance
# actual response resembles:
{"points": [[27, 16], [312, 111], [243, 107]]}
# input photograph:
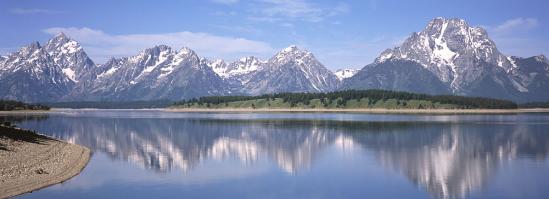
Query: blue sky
{"points": [[341, 34]]}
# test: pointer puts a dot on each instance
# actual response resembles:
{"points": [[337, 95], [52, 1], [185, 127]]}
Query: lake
{"points": [[158, 154]]}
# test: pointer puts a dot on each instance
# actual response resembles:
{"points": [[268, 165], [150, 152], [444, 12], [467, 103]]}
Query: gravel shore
{"points": [[30, 161]]}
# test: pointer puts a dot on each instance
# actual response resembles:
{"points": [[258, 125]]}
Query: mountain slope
{"points": [[398, 75], [533, 76]]}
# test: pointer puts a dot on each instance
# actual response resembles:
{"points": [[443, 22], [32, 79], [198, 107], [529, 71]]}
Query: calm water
{"points": [[151, 154]]}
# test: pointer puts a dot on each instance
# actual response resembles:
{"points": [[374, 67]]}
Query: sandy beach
{"points": [[30, 161], [380, 111]]}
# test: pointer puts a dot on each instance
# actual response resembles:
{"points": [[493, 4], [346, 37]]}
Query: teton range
{"points": [[447, 57]]}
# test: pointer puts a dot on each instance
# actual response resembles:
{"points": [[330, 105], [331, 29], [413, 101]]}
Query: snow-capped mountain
{"points": [[462, 58], [156, 73], [69, 55], [291, 70], [448, 48], [345, 73], [31, 74]]}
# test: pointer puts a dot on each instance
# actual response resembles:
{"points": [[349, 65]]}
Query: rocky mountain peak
{"points": [[290, 48], [60, 35], [158, 49], [293, 54], [31, 53], [61, 44], [59, 38], [187, 51], [437, 25], [70, 56], [30, 48], [292, 51]]}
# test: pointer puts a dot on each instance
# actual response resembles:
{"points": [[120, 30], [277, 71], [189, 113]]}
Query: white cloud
{"points": [[225, 1], [100, 45], [279, 10], [515, 24], [32, 11]]}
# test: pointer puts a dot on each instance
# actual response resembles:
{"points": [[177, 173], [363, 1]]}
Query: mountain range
{"points": [[447, 57]]}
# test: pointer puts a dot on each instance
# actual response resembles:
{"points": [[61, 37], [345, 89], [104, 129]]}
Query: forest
{"points": [[11, 105], [348, 99], [535, 105], [111, 104]]}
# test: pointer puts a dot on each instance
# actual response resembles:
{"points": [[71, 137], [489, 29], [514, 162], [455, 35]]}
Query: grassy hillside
{"points": [[350, 99]]}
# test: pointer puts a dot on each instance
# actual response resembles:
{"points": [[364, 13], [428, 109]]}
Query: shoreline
{"points": [[373, 110], [25, 111], [29, 161], [302, 110]]}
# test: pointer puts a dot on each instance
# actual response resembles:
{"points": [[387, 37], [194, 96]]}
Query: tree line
{"points": [[374, 95], [535, 105], [10, 105], [112, 104]]}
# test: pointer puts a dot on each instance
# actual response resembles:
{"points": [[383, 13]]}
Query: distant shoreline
{"points": [[310, 110], [374, 110], [25, 111], [30, 161]]}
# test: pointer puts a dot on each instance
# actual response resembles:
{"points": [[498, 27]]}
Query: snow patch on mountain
{"points": [[345, 73], [70, 73]]}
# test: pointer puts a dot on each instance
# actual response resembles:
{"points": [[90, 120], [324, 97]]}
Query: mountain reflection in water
{"points": [[448, 159]]}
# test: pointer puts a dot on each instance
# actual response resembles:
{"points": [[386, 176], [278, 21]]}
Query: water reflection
{"points": [[448, 159], [453, 161]]}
